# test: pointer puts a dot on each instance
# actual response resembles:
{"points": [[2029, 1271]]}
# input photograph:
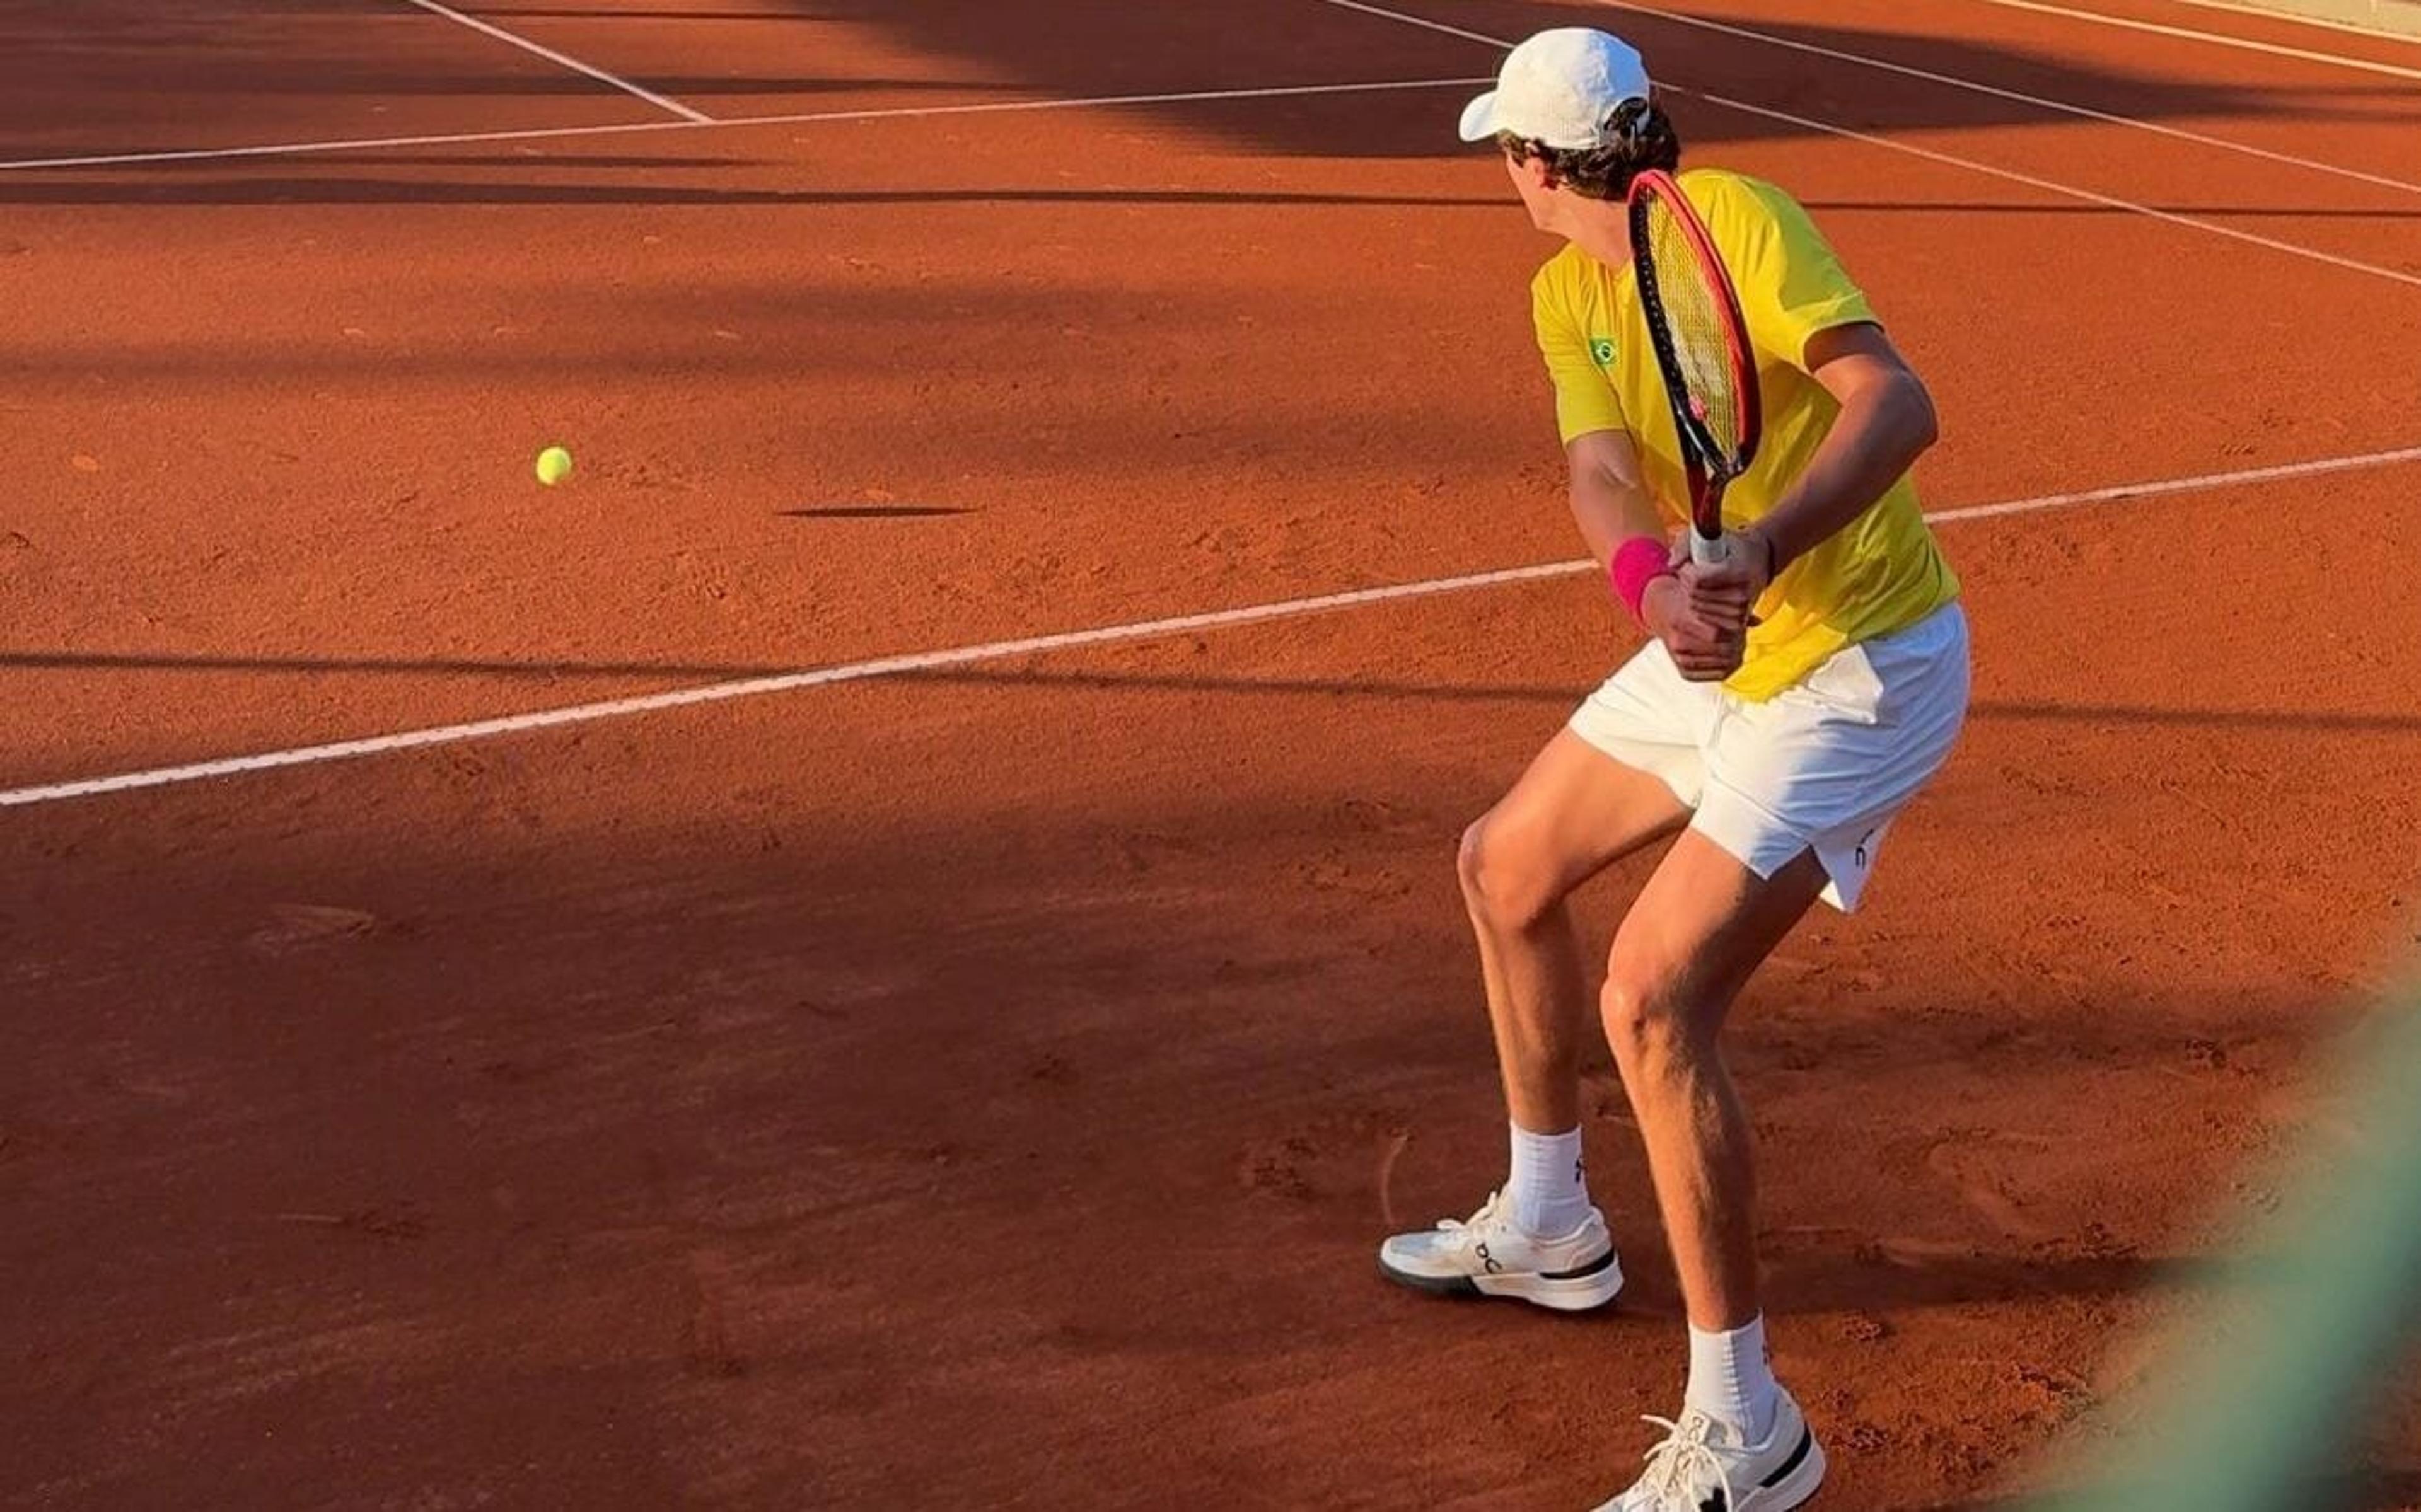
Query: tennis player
{"points": [[1787, 704]]}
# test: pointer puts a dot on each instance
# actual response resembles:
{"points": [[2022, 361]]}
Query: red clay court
{"points": [[655, 992]]}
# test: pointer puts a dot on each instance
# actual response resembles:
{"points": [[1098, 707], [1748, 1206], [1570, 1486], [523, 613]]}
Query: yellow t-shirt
{"points": [[1881, 572]]}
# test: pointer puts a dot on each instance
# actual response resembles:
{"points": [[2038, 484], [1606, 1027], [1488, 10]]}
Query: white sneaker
{"points": [[1703, 1467], [1489, 1256]]}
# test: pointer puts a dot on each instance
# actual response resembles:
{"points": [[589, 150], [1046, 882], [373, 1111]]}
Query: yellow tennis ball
{"points": [[554, 465]]}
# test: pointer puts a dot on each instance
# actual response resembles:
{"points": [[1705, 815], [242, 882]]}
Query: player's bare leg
{"points": [[1574, 811], [1697, 931], [1701, 926], [1539, 1238]]}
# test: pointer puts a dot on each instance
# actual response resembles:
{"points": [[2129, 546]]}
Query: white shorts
{"points": [[1823, 765]]}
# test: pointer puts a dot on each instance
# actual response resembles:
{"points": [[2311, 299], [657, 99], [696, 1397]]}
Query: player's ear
{"points": [[1529, 165]]}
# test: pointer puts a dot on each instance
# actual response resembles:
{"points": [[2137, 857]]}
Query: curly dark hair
{"points": [[1639, 137]]}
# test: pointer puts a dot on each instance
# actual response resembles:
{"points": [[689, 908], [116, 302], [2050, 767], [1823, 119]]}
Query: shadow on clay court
{"points": [[1067, 1011], [993, 50], [1859, 1276], [702, 86], [2332, 213], [504, 15], [874, 511], [2349, 722], [1773, 73], [286, 186], [2386, 1491], [502, 1046]]}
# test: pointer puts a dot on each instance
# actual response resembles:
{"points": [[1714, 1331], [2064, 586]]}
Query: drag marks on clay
{"points": [[1327, 1158], [295, 927], [1968, 1160]]}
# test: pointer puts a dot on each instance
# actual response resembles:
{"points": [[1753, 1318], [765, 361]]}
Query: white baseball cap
{"points": [[1560, 87]]}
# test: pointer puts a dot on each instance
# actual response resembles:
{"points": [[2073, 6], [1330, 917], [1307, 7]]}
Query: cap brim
{"points": [[1479, 118]]}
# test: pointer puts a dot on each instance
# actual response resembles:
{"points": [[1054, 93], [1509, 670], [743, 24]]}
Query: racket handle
{"points": [[1707, 550]]}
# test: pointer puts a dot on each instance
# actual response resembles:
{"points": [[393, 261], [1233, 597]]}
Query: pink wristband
{"points": [[1638, 562]]}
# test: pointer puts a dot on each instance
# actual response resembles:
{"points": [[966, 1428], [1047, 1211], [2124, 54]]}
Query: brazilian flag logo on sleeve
{"points": [[1601, 351]]}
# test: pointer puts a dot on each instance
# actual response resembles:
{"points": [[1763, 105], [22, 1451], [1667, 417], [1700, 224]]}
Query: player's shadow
{"points": [[1882, 1277], [1856, 1276]]}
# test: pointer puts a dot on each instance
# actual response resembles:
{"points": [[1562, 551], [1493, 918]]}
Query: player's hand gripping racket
{"points": [[1693, 319]]}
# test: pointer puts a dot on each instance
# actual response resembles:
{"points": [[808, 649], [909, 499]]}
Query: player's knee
{"points": [[1502, 885], [1467, 855], [1644, 1010]]}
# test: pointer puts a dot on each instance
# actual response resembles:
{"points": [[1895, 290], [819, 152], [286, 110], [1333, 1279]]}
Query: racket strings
{"points": [[1696, 316]]}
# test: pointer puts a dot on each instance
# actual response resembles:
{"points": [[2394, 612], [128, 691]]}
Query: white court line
{"points": [[2363, 65], [892, 666], [2071, 190], [1422, 21], [1977, 86], [1952, 159], [2240, 478], [279, 150], [693, 117], [2350, 28]]}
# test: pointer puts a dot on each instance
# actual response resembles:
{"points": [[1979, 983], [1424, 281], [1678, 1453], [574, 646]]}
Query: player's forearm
{"points": [[1609, 512], [1875, 438]]}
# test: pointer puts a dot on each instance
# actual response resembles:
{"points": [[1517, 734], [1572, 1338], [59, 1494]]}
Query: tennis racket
{"points": [[1694, 320]]}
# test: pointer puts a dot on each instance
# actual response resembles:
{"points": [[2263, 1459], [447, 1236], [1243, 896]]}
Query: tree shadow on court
{"points": [[719, 1072], [287, 188], [641, 180], [1781, 65], [560, 81], [506, 15], [874, 511], [515, 669], [1795, 67], [2357, 1490], [2056, 207], [144, 77]]}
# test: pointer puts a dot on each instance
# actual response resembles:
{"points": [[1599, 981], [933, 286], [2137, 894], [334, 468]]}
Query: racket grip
{"points": [[1707, 550]]}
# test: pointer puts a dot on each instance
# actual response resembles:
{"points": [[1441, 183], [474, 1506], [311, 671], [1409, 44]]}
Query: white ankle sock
{"points": [[1548, 1189], [1731, 1381]]}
